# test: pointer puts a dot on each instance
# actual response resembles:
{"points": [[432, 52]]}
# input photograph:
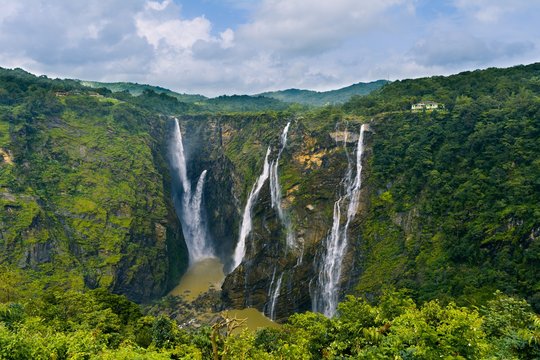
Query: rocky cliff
{"points": [[85, 191], [311, 169], [449, 202]]}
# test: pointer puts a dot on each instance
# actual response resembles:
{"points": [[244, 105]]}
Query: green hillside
{"points": [[316, 98], [137, 89], [455, 193], [85, 195], [165, 101]]}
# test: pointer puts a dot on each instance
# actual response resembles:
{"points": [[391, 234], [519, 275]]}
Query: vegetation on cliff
{"points": [[85, 199], [449, 215], [455, 194]]}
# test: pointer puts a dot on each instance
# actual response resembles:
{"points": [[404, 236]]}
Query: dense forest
{"points": [[446, 250], [99, 325]]}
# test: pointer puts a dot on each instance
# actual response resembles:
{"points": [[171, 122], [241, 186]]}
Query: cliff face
{"points": [[311, 169], [449, 203], [85, 194]]}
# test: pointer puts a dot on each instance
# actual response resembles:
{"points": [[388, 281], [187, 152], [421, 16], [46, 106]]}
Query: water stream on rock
{"points": [[191, 216], [275, 191], [326, 291], [274, 297], [206, 270], [245, 228]]}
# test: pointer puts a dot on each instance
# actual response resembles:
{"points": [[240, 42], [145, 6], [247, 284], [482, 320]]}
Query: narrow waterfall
{"points": [[268, 305], [275, 191], [325, 294], [191, 215], [274, 297], [245, 228]]}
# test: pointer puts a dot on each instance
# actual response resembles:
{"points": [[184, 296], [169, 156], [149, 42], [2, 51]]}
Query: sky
{"points": [[215, 47]]}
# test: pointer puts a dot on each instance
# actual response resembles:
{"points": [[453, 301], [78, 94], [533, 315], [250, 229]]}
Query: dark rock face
{"points": [[311, 170]]}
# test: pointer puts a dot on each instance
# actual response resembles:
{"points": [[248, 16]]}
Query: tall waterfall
{"points": [[191, 217], [325, 294], [275, 190], [245, 228]]}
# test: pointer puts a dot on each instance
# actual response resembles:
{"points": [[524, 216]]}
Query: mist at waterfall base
{"points": [[189, 204], [325, 295]]}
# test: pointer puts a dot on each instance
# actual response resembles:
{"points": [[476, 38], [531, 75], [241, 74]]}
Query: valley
{"points": [[362, 220]]}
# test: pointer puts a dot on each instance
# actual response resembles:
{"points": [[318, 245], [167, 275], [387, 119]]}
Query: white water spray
{"points": [[197, 240], [245, 228], [325, 296], [275, 191]]}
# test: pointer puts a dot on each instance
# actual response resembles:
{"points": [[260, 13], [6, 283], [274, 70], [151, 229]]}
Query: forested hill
{"points": [[332, 97], [138, 89], [269, 100], [455, 193], [84, 190]]}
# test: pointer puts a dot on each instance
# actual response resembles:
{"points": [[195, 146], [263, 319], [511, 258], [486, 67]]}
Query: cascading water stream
{"points": [[268, 305], [274, 297], [325, 296], [245, 228], [275, 191], [191, 215]]}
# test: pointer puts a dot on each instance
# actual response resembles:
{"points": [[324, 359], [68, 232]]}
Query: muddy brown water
{"points": [[207, 274]]}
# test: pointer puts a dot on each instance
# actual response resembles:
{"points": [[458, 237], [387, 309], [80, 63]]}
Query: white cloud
{"points": [[160, 24], [490, 11], [155, 5], [318, 44], [227, 39], [294, 26]]}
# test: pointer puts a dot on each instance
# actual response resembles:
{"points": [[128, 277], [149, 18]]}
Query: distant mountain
{"points": [[166, 101], [316, 98], [304, 97], [241, 103], [137, 89]]}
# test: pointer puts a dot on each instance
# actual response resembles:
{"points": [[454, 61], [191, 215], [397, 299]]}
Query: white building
{"points": [[425, 105]]}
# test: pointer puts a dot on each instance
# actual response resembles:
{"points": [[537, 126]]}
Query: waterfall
{"points": [[274, 297], [191, 217], [268, 306], [245, 228], [275, 191], [325, 296]]}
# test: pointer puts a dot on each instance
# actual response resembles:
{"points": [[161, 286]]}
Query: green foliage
{"points": [[138, 89], [88, 325], [454, 195], [97, 324], [86, 188], [332, 97]]}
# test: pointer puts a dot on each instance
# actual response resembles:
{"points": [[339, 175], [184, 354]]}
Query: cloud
{"points": [[463, 48], [161, 25], [58, 37], [270, 44], [292, 26], [490, 11]]}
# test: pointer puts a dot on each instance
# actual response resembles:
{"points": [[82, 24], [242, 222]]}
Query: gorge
{"points": [[284, 212]]}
